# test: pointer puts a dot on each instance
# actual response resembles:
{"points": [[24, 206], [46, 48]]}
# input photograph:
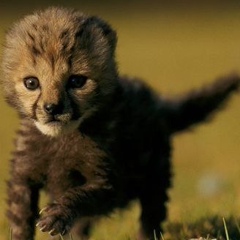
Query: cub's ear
{"points": [[96, 33]]}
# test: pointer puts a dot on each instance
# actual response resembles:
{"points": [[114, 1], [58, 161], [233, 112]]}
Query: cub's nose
{"points": [[53, 109]]}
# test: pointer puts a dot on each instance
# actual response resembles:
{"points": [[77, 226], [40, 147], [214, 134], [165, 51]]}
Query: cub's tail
{"points": [[196, 106]]}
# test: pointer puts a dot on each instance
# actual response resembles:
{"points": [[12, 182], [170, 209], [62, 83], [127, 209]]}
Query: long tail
{"points": [[198, 105]]}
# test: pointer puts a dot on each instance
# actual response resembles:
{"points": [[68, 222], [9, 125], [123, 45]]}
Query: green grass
{"points": [[174, 50], [211, 228], [226, 229], [214, 227]]}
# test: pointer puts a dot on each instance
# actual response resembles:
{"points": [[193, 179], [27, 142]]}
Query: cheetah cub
{"points": [[93, 140]]}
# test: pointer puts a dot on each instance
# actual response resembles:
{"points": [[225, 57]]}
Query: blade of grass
{"points": [[225, 228], [10, 234], [154, 234], [61, 237], [237, 225], [70, 235]]}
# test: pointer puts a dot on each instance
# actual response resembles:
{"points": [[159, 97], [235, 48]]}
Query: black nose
{"points": [[53, 109]]}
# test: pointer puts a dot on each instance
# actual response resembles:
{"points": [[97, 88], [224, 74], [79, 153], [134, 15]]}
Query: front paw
{"points": [[55, 219]]}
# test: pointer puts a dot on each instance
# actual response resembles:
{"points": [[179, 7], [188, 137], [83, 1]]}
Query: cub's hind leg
{"points": [[153, 203]]}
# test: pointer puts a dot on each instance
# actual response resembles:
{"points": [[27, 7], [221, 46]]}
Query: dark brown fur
{"points": [[121, 149]]}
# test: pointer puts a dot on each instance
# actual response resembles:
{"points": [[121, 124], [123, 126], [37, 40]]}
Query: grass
{"points": [[211, 228], [214, 227], [174, 50], [226, 230]]}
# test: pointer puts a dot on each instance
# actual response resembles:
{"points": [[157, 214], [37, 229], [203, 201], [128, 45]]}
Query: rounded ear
{"points": [[92, 32]]}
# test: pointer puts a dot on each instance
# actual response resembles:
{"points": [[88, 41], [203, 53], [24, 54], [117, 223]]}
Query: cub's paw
{"points": [[55, 219]]}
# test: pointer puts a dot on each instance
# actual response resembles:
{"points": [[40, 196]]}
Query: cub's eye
{"points": [[76, 81], [31, 83]]}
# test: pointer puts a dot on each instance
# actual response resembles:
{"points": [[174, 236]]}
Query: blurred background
{"points": [[174, 46]]}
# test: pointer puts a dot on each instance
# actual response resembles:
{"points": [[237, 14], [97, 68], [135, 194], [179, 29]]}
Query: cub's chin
{"points": [[57, 128]]}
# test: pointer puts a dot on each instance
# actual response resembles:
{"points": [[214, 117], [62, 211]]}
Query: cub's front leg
{"points": [[22, 208], [26, 179], [83, 201]]}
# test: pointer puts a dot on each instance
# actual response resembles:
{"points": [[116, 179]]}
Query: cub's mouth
{"points": [[64, 118], [57, 124], [57, 127]]}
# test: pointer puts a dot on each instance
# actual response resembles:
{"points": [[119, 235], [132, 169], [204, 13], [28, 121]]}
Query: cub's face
{"points": [[59, 68]]}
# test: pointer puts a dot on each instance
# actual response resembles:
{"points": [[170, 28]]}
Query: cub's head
{"points": [[59, 68]]}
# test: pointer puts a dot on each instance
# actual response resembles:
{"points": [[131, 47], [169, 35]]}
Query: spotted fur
{"points": [[93, 140]]}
